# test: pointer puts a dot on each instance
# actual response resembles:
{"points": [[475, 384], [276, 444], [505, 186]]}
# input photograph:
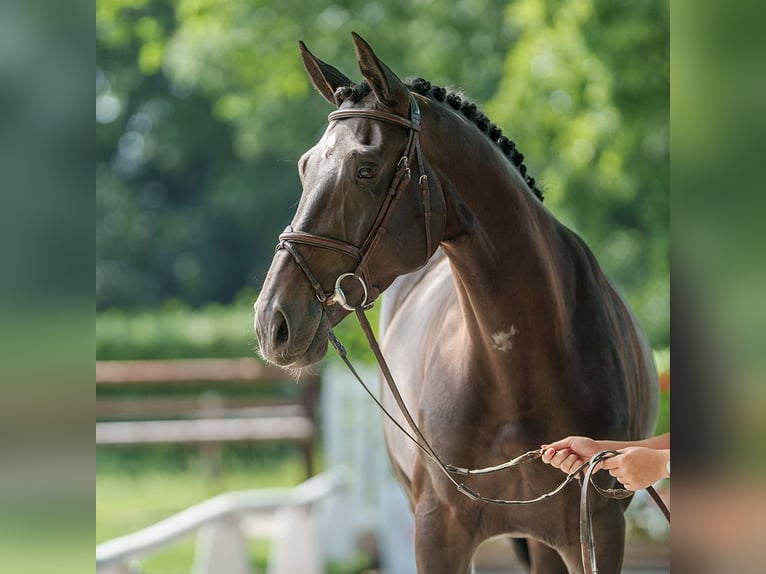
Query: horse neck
{"points": [[504, 247]]}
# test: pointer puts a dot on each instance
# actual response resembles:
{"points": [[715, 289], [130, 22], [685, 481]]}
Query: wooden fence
{"points": [[204, 415]]}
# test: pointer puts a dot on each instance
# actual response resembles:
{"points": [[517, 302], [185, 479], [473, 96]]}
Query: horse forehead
{"points": [[330, 142], [326, 166], [355, 135], [335, 147]]}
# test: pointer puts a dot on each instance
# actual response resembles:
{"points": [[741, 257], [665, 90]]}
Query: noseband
{"points": [[361, 255]]}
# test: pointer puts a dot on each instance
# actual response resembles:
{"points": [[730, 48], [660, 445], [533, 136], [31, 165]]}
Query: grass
{"points": [[126, 503]]}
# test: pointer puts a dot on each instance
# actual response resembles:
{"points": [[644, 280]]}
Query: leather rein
{"points": [[361, 255]]}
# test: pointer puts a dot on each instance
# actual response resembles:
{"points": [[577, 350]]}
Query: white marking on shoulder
{"points": [[503, 340]]}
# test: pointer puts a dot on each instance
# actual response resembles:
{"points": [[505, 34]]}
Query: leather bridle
{"points": [[362, 255]]}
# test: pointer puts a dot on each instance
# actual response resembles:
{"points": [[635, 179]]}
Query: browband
{"points": [[413, 123]]}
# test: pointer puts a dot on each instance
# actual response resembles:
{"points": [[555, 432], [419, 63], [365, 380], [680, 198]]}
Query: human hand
{"points": [[637, 467], [569, 453]]}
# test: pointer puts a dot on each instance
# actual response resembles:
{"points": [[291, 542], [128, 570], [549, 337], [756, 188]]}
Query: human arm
{"points": [[571, 452]]}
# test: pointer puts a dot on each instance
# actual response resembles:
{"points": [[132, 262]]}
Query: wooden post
{"points": [[210, 405]]}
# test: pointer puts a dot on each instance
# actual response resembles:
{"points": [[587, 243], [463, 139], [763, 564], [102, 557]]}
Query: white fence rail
{"points": [[224, 523], [327, 518]]}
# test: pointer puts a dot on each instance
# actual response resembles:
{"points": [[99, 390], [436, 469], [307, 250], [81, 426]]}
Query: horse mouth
{"points": [[308, 355]]}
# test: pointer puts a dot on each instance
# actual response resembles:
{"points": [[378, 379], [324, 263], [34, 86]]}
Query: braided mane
{"points": [[460, 103]]}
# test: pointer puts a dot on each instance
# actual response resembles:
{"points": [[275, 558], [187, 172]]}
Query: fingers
{"points": [[550, 455], [625, 483], [559, 444], [615, 465], [611, 462], [612, 465], [570, 463], [563, 459]]}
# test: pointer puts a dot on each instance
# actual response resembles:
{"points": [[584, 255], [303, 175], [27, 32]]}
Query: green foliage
{"points": [[663, 417], [585, 93], [177, 331], [203, 109]]}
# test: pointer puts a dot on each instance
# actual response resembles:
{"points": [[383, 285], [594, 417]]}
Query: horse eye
{"points": [[367, 172]]}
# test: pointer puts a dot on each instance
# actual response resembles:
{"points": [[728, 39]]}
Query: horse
{"points": [[500, 329]]}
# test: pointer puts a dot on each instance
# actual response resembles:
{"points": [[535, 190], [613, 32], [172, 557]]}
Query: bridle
{"points": [[361, 255]]}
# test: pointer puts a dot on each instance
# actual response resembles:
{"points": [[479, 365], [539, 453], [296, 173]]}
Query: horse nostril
{"points": [[282, 331]]}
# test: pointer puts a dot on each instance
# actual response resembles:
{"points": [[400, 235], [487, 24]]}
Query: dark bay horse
{"points": [[499, 326]]}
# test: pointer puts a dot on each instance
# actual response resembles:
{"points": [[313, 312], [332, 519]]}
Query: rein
{"points": [[361, 256], [587, 543]]}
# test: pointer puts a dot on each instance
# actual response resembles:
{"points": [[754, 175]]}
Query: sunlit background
{"points": [[202, 109]]}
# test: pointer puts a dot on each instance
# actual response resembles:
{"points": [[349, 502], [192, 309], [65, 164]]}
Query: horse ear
{"points": [[325, 78], [387, 87]]}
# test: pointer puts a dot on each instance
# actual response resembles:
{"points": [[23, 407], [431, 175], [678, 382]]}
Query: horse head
{"points": [[370, 210]]}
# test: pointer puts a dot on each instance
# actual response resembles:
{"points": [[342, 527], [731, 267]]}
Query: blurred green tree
{"points": [[585, 91], [203, 108]]}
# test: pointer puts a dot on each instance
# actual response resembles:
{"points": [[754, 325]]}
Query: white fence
{"points": [[352, 427], [224, 523], [328, 517]]}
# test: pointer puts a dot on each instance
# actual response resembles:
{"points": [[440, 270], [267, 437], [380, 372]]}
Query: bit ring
{"points": [[339, 296]]}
